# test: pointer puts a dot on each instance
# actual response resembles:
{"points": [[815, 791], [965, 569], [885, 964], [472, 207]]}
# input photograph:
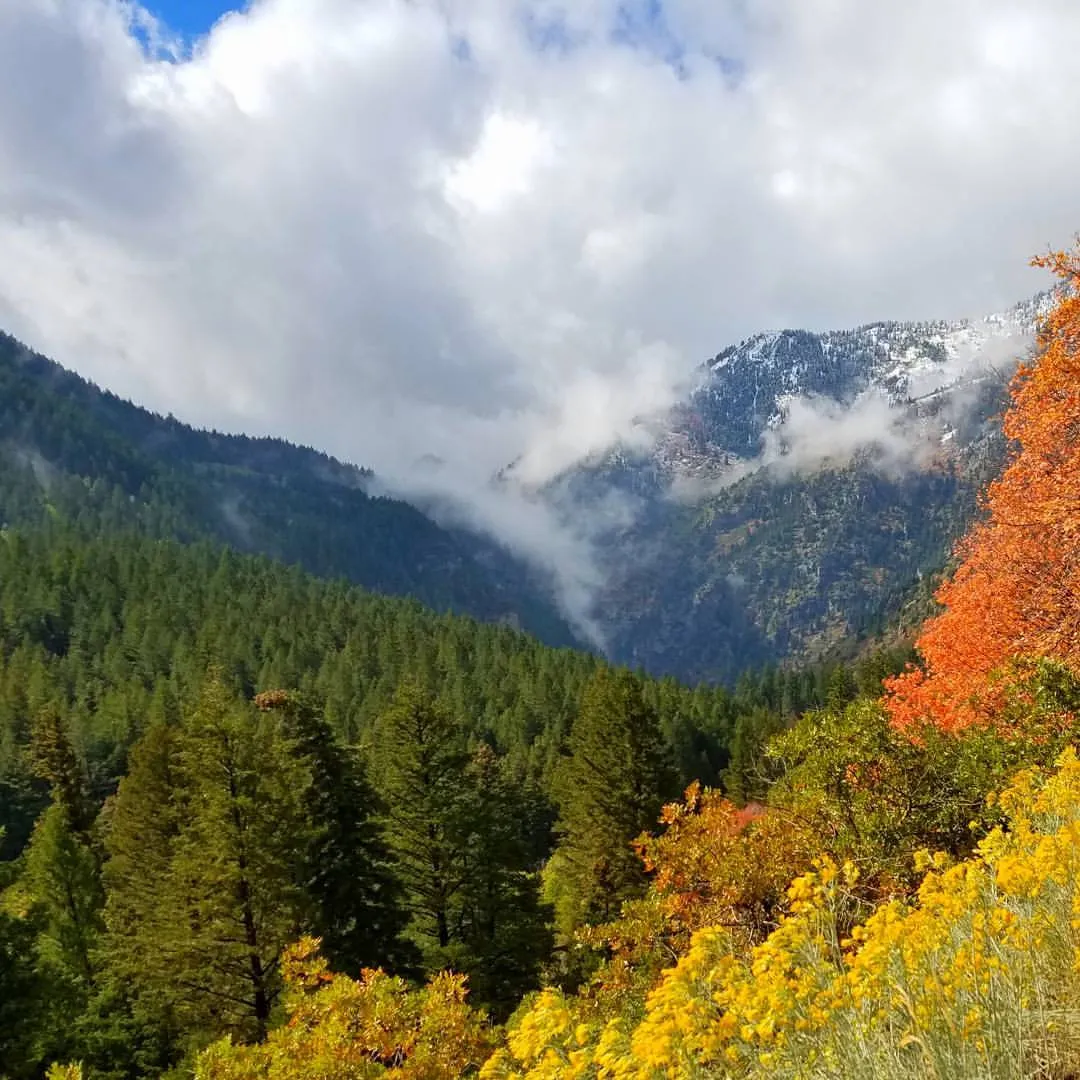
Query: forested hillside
{"points": [[68, 447], [112, 630], [900, 902], [205, 755], [773, 569]]}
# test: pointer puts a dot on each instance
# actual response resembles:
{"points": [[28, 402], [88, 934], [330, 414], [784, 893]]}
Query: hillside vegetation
{"points": [[430, 792], [287, 886], [774, 520], [67, 447], [931, 926]]}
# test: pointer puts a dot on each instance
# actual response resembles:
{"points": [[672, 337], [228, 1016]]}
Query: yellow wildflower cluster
{"points": [[978, 976], [551, 1038]]}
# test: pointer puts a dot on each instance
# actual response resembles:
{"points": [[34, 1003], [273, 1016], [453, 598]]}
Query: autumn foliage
{"points": [[972, 975], [712, 864], [1016, 592], [717, 864], [351, 1029]]}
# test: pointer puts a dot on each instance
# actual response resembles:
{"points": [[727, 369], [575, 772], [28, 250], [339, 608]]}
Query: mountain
{"points": [[68, 447], [802, 494]]}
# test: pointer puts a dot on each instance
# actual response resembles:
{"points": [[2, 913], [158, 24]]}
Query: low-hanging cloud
{"points": [[889, 433], [888, 430], [813, 432], [496, 231], [818, 431]]}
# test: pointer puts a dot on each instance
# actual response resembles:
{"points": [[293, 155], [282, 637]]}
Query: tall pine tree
{"points": [[610, 787], [464, 842], [419, 772], [505, 926], [220, 896], [355, 905]]}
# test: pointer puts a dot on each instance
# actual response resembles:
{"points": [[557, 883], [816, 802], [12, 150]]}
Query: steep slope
{"points": [[67, 446], [800, 495]]}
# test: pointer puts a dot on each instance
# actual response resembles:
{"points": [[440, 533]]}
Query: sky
{"points": [[190, 18], [481, 231]]}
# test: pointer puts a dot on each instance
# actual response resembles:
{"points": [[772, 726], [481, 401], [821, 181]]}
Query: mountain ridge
{"points": [[66, 445], [801, 492], [791, 503]]}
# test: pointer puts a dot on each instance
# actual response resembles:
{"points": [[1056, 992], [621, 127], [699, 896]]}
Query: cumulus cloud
{"points": [[505, 230]]}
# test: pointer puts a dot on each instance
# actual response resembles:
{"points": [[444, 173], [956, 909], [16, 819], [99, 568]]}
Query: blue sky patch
{"points": [[191, 18]]}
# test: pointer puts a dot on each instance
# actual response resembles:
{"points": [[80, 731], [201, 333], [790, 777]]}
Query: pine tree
{"points": [[53, 760], [141, 825], [419, 774], [465, 847], [209, 927], [62, 879], [61, 889], [610, 788], [22, 994], [505, 925], [746, 777], [355, 901]]}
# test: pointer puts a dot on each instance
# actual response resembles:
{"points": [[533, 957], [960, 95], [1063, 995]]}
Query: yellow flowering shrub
{"points": [[354, 1029], [551, 1039], [977, 976]]}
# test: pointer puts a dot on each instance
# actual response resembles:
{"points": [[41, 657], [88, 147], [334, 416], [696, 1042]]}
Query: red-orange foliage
{"points": [[1017, 590], [714, 864]]}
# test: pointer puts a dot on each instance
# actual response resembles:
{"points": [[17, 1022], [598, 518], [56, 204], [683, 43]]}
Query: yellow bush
{"points": [[977, 977], [352, 1029]]}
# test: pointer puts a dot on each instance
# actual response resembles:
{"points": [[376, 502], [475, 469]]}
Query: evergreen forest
{"points": [[260, 823], [195, 737]]}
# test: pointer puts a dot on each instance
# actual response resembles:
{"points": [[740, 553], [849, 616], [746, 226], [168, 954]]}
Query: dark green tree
{"points": [[59, 889], [130, 1025], [420, 760], [54, 761], [355, 901], [610, 788], [141, 824], [23, 993], [467, 846], [748, 774], [506, 928], [220, 898], [62, 882]]}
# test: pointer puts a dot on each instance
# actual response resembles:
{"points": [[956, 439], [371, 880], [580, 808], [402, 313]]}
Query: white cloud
{"points": [[502, 166], [494, 230]]}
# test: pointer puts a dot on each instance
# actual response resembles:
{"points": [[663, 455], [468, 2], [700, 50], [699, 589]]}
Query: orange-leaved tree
{"points": [[1016, 592], [714, 864]]}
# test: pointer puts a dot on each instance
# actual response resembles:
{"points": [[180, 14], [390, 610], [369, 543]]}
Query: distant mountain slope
{"points": [[67, 446], [798, 497], [796, 500]]}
